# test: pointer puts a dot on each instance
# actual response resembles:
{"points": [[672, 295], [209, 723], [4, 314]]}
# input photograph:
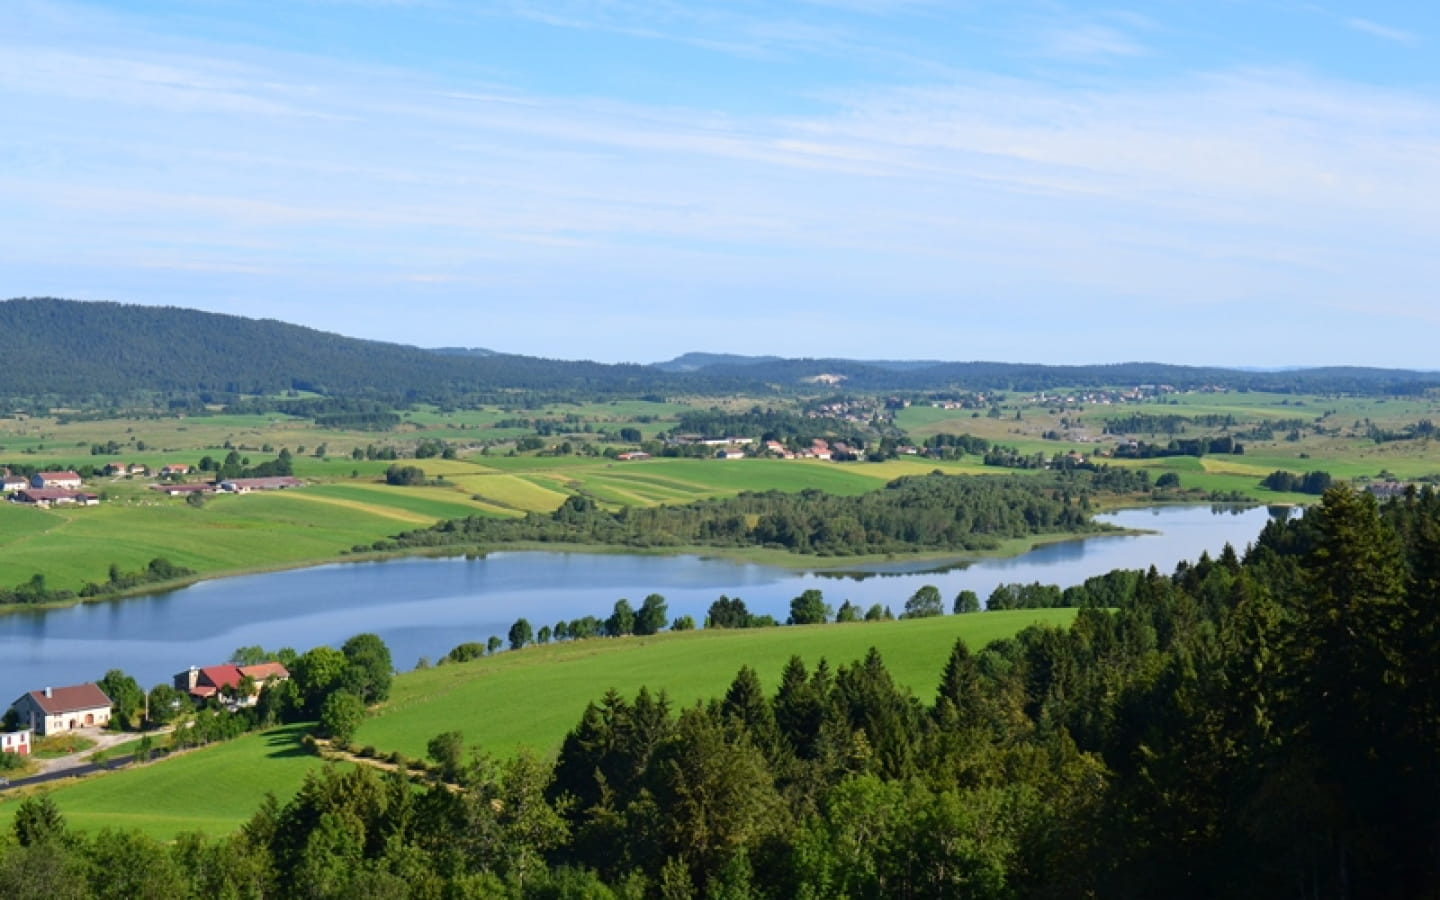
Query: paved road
{"points": [[86, 769]]}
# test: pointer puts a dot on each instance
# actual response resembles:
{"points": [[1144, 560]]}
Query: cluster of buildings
{"points": [[740, 448], [861, 411], [1111, 397], [46, 489], [819, 449], [165, 471], [228, 486], [54, 710]]}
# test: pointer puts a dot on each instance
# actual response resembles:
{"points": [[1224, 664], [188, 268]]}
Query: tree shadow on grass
{"points": [[286, 741]]}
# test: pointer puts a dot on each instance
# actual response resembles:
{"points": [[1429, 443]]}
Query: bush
{"points": [[466, 652], [340, 714], [404, 475]]}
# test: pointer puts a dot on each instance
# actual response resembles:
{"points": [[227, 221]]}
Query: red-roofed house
{"points": [[54, 710], [265, 674], [206, 682], [69, 480], [202, 683]]}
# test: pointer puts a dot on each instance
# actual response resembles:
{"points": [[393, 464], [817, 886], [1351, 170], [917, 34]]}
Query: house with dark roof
{"points": [[56, 710], [44, 498], [272, 483], [183, 488]]}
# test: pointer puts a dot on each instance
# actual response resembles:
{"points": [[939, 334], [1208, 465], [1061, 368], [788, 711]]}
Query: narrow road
{"points": [[85, 768], [103, 741], [76, 764]]}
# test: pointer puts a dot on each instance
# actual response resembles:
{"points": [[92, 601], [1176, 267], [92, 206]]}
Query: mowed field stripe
{"points": [[384, 512], [512, 491], [1232, 467]]}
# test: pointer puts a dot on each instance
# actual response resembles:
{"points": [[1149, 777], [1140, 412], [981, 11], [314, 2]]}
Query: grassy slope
{"points": [[213, 789], [532, 698], [228, 534]]}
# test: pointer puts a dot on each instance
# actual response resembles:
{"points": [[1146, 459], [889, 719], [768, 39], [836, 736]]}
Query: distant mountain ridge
{"points": [[694, 361], [911, 375], [67, 352], [464, 351]]}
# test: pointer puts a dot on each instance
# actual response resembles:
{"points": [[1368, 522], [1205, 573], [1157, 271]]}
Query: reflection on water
{"points": [[895, 569], [423, 607]]}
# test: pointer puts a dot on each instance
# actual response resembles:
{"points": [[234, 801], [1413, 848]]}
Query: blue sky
{"points": [[1234, 183]]}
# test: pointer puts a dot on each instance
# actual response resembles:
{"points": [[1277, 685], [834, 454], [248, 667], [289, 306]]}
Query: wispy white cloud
{"points": [[174, 83], [876, 7], [1090, 42], [1386, 32]]}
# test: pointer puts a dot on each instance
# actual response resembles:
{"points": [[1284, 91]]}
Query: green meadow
{"points": [[531, 698], [213, 789], [534, 696], [228, 535]]}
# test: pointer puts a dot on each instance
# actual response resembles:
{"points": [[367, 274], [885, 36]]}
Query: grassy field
{"points": [[230, 534], [534, 696], [213, 789], [531, 697]]}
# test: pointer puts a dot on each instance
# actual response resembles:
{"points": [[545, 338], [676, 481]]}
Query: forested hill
{"points": [[65, 352], [929, 375]]}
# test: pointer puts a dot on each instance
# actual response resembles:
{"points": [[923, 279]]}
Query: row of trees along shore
{"points": [[1265, 726], [809, 608]]}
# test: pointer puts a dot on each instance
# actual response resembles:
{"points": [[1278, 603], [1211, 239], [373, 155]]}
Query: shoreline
{"points": [[760, 556]]}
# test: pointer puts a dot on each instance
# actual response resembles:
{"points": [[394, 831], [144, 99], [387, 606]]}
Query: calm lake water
{"points": [[423, 607]]}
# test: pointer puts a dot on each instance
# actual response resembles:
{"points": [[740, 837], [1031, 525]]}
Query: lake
{"points": [[424, 607]]}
